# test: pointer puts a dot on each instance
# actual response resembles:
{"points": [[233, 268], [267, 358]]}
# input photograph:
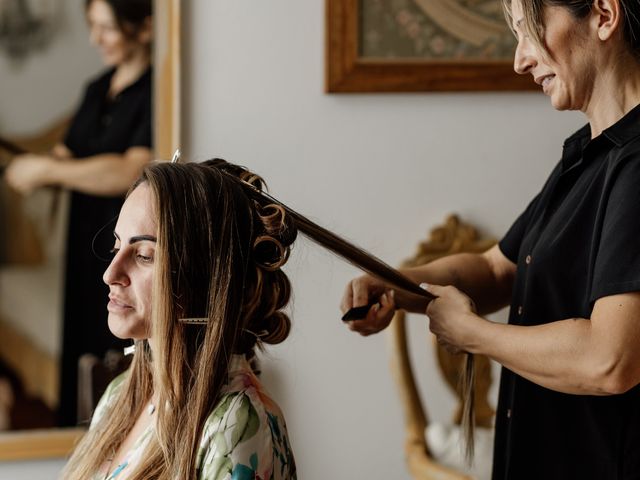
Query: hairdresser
{"points": [[569, 400], [105, 148]]}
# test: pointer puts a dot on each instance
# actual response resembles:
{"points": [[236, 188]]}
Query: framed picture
{"points": [[419, 45]]}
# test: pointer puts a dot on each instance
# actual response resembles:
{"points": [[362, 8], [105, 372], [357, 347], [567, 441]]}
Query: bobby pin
{"points": [[194, 320]]}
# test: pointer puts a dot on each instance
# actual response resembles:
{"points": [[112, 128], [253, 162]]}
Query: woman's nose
{"points": [[116, 272], [94, 36], [524, 59]]}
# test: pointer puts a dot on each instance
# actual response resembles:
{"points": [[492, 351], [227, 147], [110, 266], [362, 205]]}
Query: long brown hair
{"points": [[220, 247], [218, 256]]}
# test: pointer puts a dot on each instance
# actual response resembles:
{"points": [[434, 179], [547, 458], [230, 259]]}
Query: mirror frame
{"points": [[58, 443]]}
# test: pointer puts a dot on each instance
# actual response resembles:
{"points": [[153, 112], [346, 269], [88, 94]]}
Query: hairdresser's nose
{"points": [[524, 60], [116, 273], [94, 36]]}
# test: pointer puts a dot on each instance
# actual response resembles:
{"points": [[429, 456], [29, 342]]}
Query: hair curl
{"points": [[268, 286]]}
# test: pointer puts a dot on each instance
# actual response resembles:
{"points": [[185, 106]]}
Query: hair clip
{"points": [[263, 333], [194, 321], [130, 350], [176, 156]]}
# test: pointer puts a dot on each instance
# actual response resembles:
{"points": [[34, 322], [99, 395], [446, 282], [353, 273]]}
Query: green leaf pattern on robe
{"points": [[245, 436]]}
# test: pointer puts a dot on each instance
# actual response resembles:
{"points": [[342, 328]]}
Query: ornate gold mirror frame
{"points": [[58, 443]]}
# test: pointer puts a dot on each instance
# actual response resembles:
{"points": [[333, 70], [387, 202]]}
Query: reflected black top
{"points": [[101, 125], [577, 241]]}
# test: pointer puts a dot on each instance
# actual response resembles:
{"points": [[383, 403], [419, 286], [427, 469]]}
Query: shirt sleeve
{"points": [[510, 243], [241, 440], [617, 262]]}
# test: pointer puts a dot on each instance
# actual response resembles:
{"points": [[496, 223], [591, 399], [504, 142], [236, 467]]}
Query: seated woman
{"points": [[196, 282]]}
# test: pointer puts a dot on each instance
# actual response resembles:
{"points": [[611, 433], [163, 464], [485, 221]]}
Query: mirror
{"points": [[43, 80]]}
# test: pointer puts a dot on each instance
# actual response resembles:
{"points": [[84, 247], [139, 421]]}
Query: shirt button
{"points": [[520, 309], [528, 259], [509, 413]]}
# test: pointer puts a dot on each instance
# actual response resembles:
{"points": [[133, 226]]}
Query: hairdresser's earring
{"points": [[176, 156]]}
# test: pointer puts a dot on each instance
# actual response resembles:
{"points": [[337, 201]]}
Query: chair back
{"points": [[454, 236], [94, 375]]}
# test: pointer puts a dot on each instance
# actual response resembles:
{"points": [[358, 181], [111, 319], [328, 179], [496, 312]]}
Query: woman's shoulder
{"points": [[245, 434], [108, 397]]}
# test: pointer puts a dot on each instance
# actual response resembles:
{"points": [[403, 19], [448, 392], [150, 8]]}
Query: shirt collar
{"points": [[573, 148], [579, 146], [625, 129]]}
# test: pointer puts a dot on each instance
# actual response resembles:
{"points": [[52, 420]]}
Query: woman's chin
{"points": [[111, 60], [126, 329]]}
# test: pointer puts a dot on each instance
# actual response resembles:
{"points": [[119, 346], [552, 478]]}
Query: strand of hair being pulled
{"points": [[376, 267]]}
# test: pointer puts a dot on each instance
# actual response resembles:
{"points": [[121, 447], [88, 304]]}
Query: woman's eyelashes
{"points": [[141, 255], [147, 259]]}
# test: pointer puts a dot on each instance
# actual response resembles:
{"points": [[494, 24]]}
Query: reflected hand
{"points": [[450, 316], [28, 172], [362, 290]]}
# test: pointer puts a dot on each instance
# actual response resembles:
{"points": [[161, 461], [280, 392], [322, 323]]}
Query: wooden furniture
{"points": [[452, 237], [94, 375]]}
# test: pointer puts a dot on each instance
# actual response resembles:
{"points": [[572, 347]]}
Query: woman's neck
{"points": [[129, 71], [616, 93]]}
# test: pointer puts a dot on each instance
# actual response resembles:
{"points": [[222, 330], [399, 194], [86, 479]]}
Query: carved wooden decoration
{"points": [[454, 236]]}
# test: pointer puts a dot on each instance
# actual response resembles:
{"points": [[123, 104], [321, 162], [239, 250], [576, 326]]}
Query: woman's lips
{"points": [[117, 305], [545, 81]]}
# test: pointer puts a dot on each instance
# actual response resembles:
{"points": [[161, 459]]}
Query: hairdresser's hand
{"points": [[29, 172], [452, 315], [363, 290]]}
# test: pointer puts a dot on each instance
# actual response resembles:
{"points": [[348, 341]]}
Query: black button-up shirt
{"points": [[577, 241], [102, 125]]}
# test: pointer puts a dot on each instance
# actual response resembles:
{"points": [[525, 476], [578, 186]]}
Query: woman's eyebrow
{"points": [[138, 238], [142, 238]]}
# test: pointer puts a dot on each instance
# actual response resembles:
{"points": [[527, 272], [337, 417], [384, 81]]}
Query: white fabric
{"points": [[445, 444]]}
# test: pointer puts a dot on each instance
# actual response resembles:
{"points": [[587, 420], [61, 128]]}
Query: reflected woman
{"points": [[107, 144]]}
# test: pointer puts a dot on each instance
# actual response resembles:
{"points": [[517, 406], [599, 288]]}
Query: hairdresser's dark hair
{"points": [[534, 19], [130, 14]]}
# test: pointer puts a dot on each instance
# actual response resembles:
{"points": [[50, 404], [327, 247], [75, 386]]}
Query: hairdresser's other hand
{"points": [[29, 172], [452, 315], [363, 290]]}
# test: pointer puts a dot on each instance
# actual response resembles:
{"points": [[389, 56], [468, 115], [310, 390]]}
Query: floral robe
{"points": [[244, 437]]}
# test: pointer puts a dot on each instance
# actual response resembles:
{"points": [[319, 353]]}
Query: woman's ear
{"points": [[145, 32], [606, 16]]}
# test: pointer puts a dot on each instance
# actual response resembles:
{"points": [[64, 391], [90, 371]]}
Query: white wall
{"points": [[379, 169], [48, 83]]}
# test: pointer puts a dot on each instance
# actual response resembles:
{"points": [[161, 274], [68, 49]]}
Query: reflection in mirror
{"points": [[81, 106]]}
